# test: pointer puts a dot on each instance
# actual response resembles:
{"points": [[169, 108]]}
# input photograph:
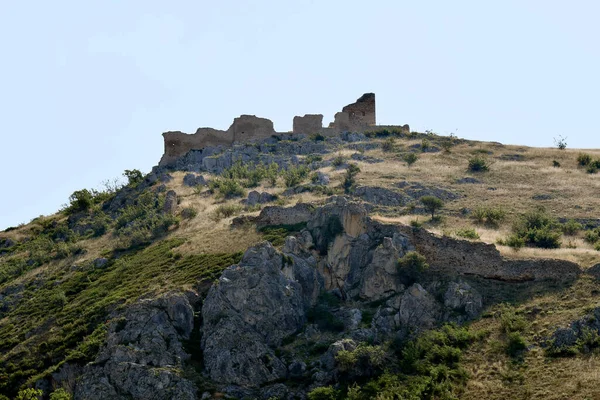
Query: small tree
{"points": [[432, 204], [560, 142], [411, 266], [81, 200], [350, 177], [410, 158], [29, 394], [134, 176]]}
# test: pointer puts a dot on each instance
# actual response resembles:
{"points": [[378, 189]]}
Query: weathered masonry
{"points": [[355, 117]]}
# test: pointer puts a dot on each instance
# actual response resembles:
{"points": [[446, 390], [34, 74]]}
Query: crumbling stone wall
{"points": [[309, 124], [244, 128], [355, 117]]}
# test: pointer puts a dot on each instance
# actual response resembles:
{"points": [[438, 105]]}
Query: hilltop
{"points": [[317, 265]]}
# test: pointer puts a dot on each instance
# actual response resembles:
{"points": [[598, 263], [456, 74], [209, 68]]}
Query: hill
{"points": [[352, 265]]}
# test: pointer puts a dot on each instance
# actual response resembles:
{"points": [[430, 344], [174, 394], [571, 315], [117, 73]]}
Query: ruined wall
{"points": [[309, 124], [448, 255], [356, 117], [244, 128]]}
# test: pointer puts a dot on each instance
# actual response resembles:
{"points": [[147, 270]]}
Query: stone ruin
{"points": [[355, 117]]}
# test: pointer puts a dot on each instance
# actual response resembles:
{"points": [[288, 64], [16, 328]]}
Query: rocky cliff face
{"points": [[258, 318]]}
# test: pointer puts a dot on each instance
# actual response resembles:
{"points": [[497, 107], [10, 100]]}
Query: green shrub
{"points": [[571, 227], [321, 316], [597, 247], [410, 158], [432, 204], [272, 173], [60, 394], [317, 137], [338, 161], [555, 164], [81, 200], [592, 168], [415, 223], [411, 266], [227, 188], [425, 144], [592, 236], [276, 234], [389, 144], [29, 394], [584, 159], [134, 176], [227, 210], [538, 229], [488, 216], [478, 164], [510, 321], [313, 158], [467, 233], [561, 142], [516, 344], [293, 176], [365, 360], [323, 393], [189, 213], [350, 178]]}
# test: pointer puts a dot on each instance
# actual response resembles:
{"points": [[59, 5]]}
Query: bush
{"points": [[272, 173], [561, 142], [411, 266], [410, 158], [571, 227], [592, 168], [389, 144], [467, 233], [189, 213], [510, 321], [478, 164], [555, 164], [488, 216], [350, 177], [592, 236], [338, 161], [432, 204], [425, 144], [538, 229], [29, 394], [323, 393], [584, 159], [227, 188], [317, 137], [514, 241], [365, 360], [134, 176], [60, 394], [81, 200], [293, 176], [516, 344], [227, 210]]}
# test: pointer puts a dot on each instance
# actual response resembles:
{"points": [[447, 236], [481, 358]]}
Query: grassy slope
{"points": [[62, 306]]}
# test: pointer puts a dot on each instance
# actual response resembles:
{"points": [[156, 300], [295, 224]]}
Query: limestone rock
{"points": [[460, 296], [170, 206], [143, 355], [418, 309], [194, 180], [380, 277], [254, 306], [255, 198]]}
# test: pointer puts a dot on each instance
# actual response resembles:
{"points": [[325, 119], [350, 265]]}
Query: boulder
{"points": [[381, 196], [380, 278], [418, 309], [461, 297], [143, 355], [193, 180], [253, 308], [255, 198], [170, 206]]}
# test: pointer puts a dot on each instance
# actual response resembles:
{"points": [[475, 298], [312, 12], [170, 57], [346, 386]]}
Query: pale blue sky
{"points": [[87, 87]]}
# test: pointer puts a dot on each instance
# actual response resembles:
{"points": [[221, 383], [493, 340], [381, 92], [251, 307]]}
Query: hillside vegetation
{"points": [[66, 278]]}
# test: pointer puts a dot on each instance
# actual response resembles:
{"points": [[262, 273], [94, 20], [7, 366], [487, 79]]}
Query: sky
{"points": [[87, 87]]}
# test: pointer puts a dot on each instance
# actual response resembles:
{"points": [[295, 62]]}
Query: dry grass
{"points": [[536, 376]]}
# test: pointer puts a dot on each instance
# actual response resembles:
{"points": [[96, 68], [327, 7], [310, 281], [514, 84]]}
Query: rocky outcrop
{"points": [[143, 357], [251, 310], [255, 198], [170, 206], [194, 180]]}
